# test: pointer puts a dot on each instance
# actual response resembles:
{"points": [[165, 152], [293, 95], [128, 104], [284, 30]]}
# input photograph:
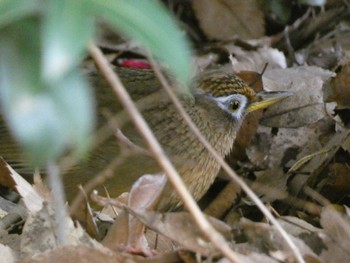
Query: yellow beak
{"points": [[267, 99]]}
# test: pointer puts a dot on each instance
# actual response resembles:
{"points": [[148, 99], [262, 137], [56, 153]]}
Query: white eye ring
{"points": [[234, 104]]}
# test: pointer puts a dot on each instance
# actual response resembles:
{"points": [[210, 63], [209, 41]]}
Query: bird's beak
{"points": [[267, 99]]}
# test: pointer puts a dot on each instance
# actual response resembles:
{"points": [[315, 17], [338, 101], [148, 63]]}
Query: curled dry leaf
{"points": [[242, 60], [145, 192], [234, 16], [142, 198], [306, 105], [10, 178]]}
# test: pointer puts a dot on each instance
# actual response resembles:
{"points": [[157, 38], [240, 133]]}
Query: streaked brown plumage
{"points": [[212, 107]]}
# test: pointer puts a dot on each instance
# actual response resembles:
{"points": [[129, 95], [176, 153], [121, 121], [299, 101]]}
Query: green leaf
{"points": [[45, 119], [67, 28], [149, 23], [12, 10]]}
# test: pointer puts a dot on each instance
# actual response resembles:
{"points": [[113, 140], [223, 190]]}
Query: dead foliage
{"points": [[295, 155]]}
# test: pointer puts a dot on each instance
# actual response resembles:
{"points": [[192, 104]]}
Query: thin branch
{"points": [[224, 165], [127, 149], [59, 206], [98, 180], [126, 145], [154, 146]]}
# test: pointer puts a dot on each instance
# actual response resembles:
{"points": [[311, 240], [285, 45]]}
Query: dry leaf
{"points": [[180, 228], [38, 233], [269, 150], [267, 239], [243, 60], [336, 185], [30, 196], [118, 233], [339, 90], [145, 192], [252, 257], [306, 105], [224, 19], [7, 255], [337, 238], [346, 144], [73, 254], [273, 179], [319, 162], [143, 196]]}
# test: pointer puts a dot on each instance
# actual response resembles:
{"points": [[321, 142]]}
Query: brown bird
{"points": [[217, 105]]}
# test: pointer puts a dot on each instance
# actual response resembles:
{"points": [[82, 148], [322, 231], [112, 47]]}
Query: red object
{"points": [[135, 63]]}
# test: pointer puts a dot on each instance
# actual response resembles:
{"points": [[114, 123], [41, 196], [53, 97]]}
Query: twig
{"points": [[99, 179], [224, 165], [286, 198], [316, 196], [125, 144], [59, 206], [102, 135], [154, 146]]}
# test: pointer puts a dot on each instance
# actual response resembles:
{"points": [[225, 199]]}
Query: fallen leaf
{"points": [[73, 254], [252, 257], [180, 227], [7, 255], [271, 151], [339, 90], [242, 60], [337, 238], [306, 105], [234, 15], [336, 185], [10, 178], [146, 191], [273, 179], [266, 238], [38, 233]]}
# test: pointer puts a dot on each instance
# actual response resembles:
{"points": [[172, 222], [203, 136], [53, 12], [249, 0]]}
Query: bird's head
{"points": [[232, 95]]}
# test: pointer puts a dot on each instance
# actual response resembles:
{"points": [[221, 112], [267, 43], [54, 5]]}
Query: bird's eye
{"points": [[234, 105]]}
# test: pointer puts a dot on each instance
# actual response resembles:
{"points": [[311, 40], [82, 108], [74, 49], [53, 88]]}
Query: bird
{"points": [[217, 104]]}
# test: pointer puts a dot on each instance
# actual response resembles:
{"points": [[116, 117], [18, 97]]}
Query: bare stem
{"points": [[224, 165], [154, 146], [98, 180], [59, 206]]}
